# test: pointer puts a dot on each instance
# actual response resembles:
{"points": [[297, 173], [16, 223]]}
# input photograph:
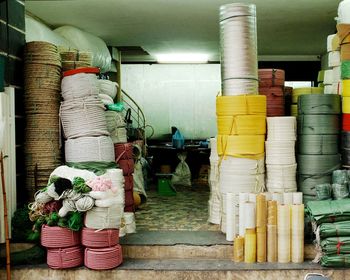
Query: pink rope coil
{"points": [[129, 182], [129, 198], [105, 258], [52, 206], [58, 237], [99, 238], [127, 165], [123, 151], [65, 258]]}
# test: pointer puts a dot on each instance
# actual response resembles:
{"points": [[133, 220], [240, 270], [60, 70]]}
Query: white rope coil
{"points": [[106, 99], [79, 86], [242, 166], [281, 128], [83, 117], [116, 126], [281, 178], [108, 87], [280, 152], [89, 149], [103, 217], [85, 203], [117, 178], [234, 183]]}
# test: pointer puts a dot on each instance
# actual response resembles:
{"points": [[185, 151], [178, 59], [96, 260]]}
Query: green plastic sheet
{"points": [[340, 177], [324, 192], [98, 167], [336, 260], [336, 245], [334, 229], [345, 70], [329, 211]]}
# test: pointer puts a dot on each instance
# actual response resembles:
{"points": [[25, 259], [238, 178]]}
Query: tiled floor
{"points": [[188, 210]]}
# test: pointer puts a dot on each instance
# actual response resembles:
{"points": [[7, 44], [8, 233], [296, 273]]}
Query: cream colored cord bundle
{"points": [[104, 217], [107, 87], [280, 152], [281, 128], [89, 149], [242, 166], [281, 178], [116, 126], [79, 85], [83, 117]]}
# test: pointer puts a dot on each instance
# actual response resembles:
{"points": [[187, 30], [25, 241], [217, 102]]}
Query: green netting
{"points": [[334, 229], [328, 211], [335, 260]]}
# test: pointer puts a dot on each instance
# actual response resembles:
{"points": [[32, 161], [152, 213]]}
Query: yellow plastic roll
{"points": [[272, 243], [306, 90], [261, 211], [346, 88], [346, 105], [242, 125], [283, 233], [238, 249], [241, 146], [250, 245], [241, 105], [261, 244], [272, 212], [294, 110], [297, 236]]}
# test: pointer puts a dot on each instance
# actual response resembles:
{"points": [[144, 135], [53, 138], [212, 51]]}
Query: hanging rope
{"points": [[318, 124], [318, 144], [79, 86], [314, 104]]}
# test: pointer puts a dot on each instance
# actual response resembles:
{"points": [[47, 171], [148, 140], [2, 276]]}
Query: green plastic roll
{"points": [[334, 229], [345, 70], [294, 110], [328, 211], [318, 144], [324, 192], [340, 191], [335, 260], [318, 165], [340, 177], [314, 104], [320, 76], [318, 124], [336, 245], [307, 183]]}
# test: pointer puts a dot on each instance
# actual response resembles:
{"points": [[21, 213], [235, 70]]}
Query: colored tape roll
{"points": [[271, 77], [346, 105], [294, 110], [346, 122], [274, 99], [318, 124], [241, 125], [343, 33], [346, 88], [318, 144], [306, 90], [345, 70], [241, 105], [345, 52], [314, 104], [242, 146], [318, 164]]}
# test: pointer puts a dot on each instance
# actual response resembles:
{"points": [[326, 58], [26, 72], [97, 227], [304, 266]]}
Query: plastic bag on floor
{"points": [[182, 175]]}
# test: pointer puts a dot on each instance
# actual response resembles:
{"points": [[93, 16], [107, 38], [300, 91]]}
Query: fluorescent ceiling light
{"points": [[182, 58]]}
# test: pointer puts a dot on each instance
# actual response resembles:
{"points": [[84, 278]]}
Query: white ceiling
{"points": [[285, 27]]}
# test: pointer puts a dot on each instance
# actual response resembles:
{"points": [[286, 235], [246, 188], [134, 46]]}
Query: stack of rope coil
{"points": [[297, 92], [318, 129], [280, 156], [103, 258], [74, 59], [42, 76], [271, 84], [63, 247], [215, 197], [124, 157], [238, 47]]}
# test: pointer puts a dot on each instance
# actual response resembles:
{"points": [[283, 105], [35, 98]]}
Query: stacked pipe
{"points": [[42, 76], [281, 165], [318, 130], [297, 92], [74, 59], [124, 158], [214, 202], [271, 84]]}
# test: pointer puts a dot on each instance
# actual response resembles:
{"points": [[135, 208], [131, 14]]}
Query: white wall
{"points": [[181, 95]]}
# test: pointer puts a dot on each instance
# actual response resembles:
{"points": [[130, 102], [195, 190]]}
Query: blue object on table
{"points": [[178, 140], [204, 144]]}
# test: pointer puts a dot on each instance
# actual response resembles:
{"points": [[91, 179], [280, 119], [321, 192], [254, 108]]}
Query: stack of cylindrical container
{"points": [[271, 84], [318, 130], [331, 77], [281, 165], [299, 92], [241, 113]]}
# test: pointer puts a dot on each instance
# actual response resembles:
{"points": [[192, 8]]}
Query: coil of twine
{"points": [[281, 128], [65, 258], [106, 99], [314, 104], [271, 77], [78, 86], [280, 152], [115, 122], [108, 87], [281, 178], [58, 237], [318, 124], [275, 100], [103, 258], [318, 164], [83, 117], [243, 124], [84, 149], [104, 217], [244, 183], [99, 238], [318, 144], [241, 105]]}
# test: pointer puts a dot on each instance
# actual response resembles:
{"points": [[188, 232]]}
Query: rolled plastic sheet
{"points": [[340, 191], [346, 105], [318, 124], [324, 192], [281, 128], [329, 211], [345, 52], [272, 212], [318, 164], [318, 144], [241, 125], [340, 177], [274, 99], [345, 139], [345, 70], [271, 77], [261, 244], [334, 59], [297, 235], [230, 216], [297, 198], [278, 197], [243, 198], [261, 220], [288, 198], [340, 260], [294, 110], [314, 104], [272, 243], [306, 90], [243, 146], [250, 245], [241, 105], [328, 77], [307, 183], [346, 87], [333, 230], [238, 249], [281, 178], [250, 216], [284, 233], [280, 152]]}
